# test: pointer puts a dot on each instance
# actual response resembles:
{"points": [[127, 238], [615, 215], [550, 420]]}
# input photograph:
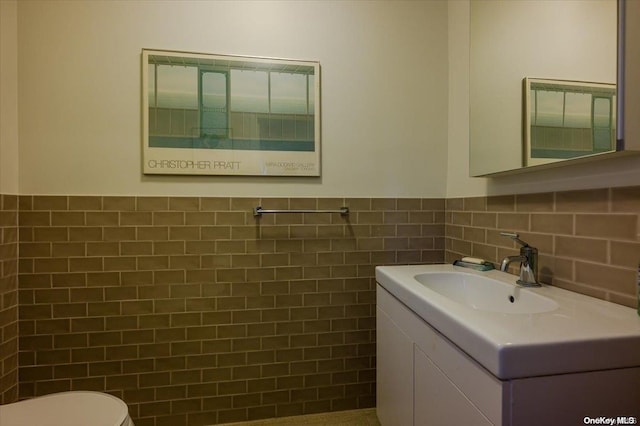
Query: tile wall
{"points": [[8, 298], [588, 240], [195, 312]]}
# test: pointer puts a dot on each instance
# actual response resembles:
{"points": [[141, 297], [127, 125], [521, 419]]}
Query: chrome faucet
{"points": [[528, 259]]}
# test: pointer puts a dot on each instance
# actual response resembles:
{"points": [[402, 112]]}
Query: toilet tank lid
{"points": [[75, 408]]}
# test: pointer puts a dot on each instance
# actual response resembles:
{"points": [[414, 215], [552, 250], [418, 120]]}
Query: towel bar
{"points": [[258, 211]]}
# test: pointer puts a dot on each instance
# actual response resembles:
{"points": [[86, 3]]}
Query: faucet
{"points": [[528, 259]]}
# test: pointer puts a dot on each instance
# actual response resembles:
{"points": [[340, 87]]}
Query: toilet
{"points": [[76, 408]]}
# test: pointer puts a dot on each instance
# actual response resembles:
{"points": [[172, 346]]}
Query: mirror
{"points": [[515, 42]]}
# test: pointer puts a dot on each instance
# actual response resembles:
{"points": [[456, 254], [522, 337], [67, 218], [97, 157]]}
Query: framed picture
{"points": [[229, 115], [567, 119]]}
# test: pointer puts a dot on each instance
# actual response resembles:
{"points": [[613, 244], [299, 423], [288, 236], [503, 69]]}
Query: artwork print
{"points": [[229, 115]]}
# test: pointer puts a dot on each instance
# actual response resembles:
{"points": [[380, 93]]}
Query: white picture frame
{"points": [[207, 114]]}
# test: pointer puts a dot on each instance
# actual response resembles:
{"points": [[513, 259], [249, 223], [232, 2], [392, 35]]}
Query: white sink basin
{"points": [[485, 294], [545, 331]]}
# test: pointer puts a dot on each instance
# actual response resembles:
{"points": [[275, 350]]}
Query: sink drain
{"points": [[512, 299]]}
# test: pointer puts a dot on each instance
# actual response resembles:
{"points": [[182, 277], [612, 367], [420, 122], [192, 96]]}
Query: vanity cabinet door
{"points": [[421, 374], [394, 373], [569, 398], [437, 400]]}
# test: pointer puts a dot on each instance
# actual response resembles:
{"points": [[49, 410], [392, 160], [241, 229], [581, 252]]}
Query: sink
{"points": [[485, 294], [516, 332]]}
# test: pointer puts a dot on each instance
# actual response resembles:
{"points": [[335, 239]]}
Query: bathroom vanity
{"points": [[456, 346]]}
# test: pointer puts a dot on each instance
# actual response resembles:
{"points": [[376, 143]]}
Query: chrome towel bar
{"points": [[258, 211]]}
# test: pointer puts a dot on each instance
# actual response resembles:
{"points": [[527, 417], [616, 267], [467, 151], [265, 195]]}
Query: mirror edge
{"points": [[620, 82]]}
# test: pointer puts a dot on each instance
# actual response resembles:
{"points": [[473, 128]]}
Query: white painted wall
{"points": [[458, 181], [8, 97], [384, 91], [395, 79]]}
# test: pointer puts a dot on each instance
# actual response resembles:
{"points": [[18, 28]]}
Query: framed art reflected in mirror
{"points": [[567, 119]]}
